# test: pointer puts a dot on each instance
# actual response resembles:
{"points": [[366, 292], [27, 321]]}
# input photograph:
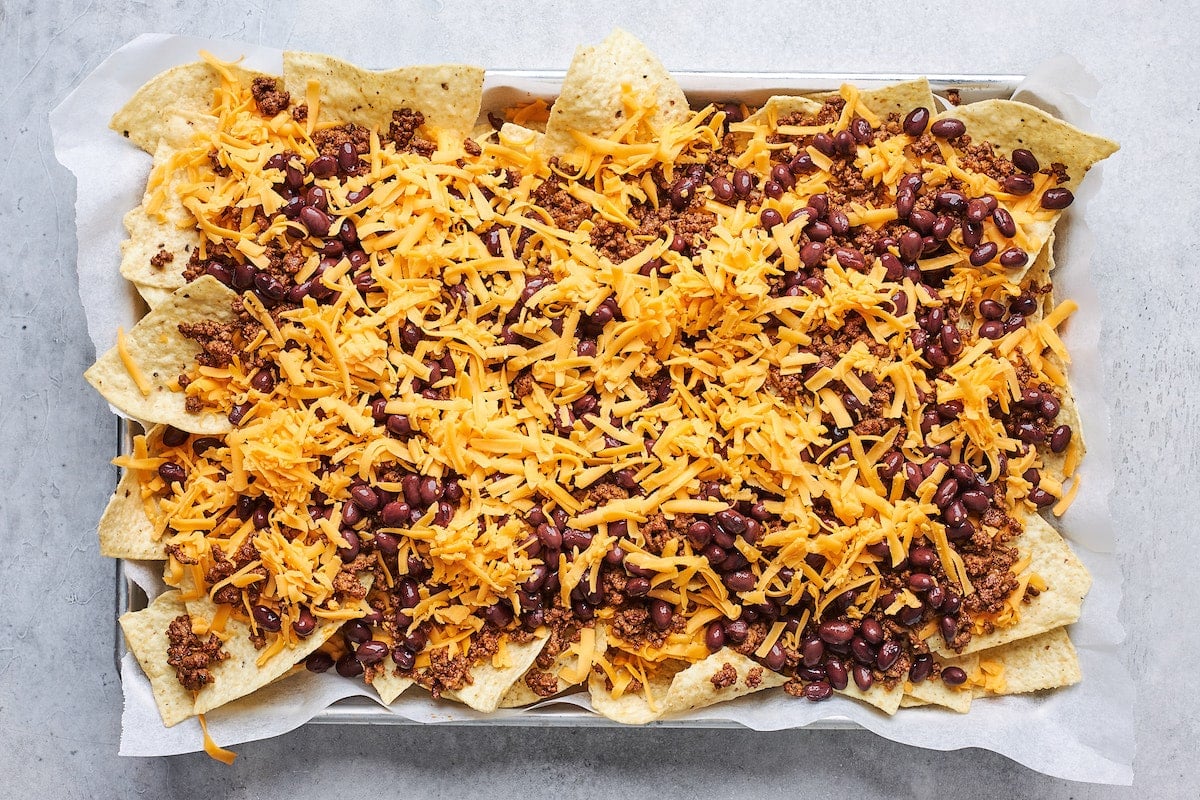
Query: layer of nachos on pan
{"points": [[666, 404]]}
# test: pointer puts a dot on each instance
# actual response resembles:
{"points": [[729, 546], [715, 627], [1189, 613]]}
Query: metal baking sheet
{"points": [[502, 89]]}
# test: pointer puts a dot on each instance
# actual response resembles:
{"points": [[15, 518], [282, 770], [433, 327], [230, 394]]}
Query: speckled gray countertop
{"points": [[60, 698]]}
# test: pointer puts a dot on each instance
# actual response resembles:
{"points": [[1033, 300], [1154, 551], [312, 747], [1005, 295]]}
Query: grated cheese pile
{"points": [[494, 333]]}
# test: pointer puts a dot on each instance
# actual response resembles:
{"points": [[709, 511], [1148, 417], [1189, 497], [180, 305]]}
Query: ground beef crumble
{"points": [[725, 677], [191, 656], [268, 96]]}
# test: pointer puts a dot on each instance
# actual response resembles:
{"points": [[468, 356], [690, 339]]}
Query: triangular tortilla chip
{"points": [[780, 106], [125, 530], [590, 99], [174, 234], [631, 708], [448, 95], [155, 110], [240, 674], [1009, 125], [1046, 661], [146, 634], [567, 663], [1067, 582], [899, 98], [885, 699], [489, 683], [388, 684], [162, 353], [693, 687], [938, 693]]}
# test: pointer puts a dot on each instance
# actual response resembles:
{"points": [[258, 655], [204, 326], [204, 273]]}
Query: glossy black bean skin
{"points": [[319, 661], [1025, 161], [921, 669], [722, 188], [1060, 438], [916, 121], [836, 632], [1004, 222], [1019, 185], [889, 654], [1057, 198], [983, 254], [371, 652], [1013, 258], [948, 128], [171, 473], [267, 618], [954, 676], [743, 183], [770, 218]]}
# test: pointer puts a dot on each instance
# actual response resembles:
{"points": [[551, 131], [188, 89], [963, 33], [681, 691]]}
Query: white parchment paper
{"points": [[1083, 733]]}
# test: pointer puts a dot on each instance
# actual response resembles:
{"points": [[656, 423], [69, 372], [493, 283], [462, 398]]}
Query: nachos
{"points": [[666, 404]]}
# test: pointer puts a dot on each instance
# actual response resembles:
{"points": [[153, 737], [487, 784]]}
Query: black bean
{"points": [[871, 630], [1004, 222], [204, 444], [499, 615], [906, 200], [922, 557], [305, 623], [371, 652], [953, 201], [1060, 438], [1017, 184], [818, 231], [1025, 304], [861, 130], [770, 218], [922, 221], [862, 650], [818, 691], [954, 676], [946, 492], [319, 661], [948, 627], [316, 197], [1025, 161], [261, 517], [992, 329], [839, 223], [356, 631], [315, 220], [171, 473], [835, 631], [975, 500], [782, 174], [775, 659], [1013, 258], [714, 636], [405, 659], [267, 618], [916, 121], [913, 476], [824, 143], [812, 254], [990, 309], [948, 128], [910, 616], [836, 671], [364, 497], [890, 465], [323, 166], [983, 254], [889, 654], [1057, 198], [682, 192], [922, 668], [910, 246], [399, 425], [722, 188], [742, 580], [573, 538], [661, 614], [850, 258], [743, 183]]}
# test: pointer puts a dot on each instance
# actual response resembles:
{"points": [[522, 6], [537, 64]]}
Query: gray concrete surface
{"points": [[60, 697]]}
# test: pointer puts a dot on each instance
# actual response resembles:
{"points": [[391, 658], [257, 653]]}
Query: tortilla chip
{"points": [[240, 674], [908, 701], [489, 683], [1009, 125], [590, 100], [1046, 661], [938, 693], [388, 684], [631, 708], [694, 688], [125, 530], [782, 105], [448, 95], [885, 699], [182, 95], [174, 234], [899, 98], [519, 694], [1067, 582], [146, 634], [162, 353], [517, 136], [1036, 274]]}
